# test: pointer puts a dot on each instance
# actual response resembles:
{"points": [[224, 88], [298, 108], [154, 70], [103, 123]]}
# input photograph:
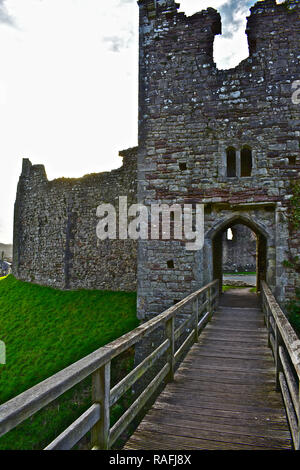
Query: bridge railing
{"points": [[285, 345], [98, 365]]}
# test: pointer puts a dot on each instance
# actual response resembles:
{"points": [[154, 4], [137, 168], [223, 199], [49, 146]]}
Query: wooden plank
{"points": [[196, 319], [137, 373], [252, 333], [290, 380], [183, 327], [259, 331], [184, 345], [203, 322], [170, 329], [272, 342], [240, 400], [219, 377], [189, 432], [136, 407], [219, 353], [101, 395], [213, 408], [231, 364], [215, 402], [276, 421], [203, 308], [231, 337], [217, 425], [288, 334], [289, 410], [234, 347], [72, 435], [150, 441], [204, 385]]}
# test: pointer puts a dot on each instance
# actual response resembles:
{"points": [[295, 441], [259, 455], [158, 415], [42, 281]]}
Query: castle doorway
{"points": [[240, 252]]}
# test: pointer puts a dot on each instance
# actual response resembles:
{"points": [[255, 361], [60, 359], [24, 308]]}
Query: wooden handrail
{"points": [[97, 365], [285, 345]]}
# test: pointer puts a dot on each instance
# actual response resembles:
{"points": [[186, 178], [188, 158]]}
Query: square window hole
{"points": [[292, 161]]}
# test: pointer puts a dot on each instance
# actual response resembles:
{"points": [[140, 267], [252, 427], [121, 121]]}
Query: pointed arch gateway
{"points": [[215, 234]]}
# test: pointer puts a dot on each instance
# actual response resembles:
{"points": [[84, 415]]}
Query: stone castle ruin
{"points": [[55, 242], [228, 139]]}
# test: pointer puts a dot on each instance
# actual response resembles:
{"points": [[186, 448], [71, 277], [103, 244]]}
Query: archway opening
{"points": [[240, 255]]}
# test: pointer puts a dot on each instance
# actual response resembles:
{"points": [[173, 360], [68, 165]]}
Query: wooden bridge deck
{"points": [[223, 396]]}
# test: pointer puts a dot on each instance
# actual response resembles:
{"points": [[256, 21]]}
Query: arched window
{"points": [[246, 161], [231, 162]]}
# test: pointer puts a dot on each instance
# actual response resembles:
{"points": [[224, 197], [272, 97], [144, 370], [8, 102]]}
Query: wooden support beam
{"points": [[101, 395], [196, 317], [170, 330], [71, 436]]}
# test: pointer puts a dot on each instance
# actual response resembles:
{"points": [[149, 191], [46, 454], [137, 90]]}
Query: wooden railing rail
{"points": [[285, 345], [98, 365]]}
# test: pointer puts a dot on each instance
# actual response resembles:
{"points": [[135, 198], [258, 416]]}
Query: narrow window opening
{"points": [[292, 161], [182, 166], [246, 162], [170, 264], [252, 45], [231, 162]]}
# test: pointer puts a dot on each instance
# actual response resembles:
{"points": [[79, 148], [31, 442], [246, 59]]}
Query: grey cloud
{"points": [[123, 40], [118, 42], [231, 20], [5, 17]]}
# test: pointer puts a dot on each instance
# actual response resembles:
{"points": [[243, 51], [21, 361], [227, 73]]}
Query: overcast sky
{"points": [[68, 83]]}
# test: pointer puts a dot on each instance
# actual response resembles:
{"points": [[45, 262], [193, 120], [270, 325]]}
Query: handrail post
{"points": [[196, 318], [268, 325], [210, 303], [101, 395], [278, 365], [264, 308], [170, 330], [218, 294]]}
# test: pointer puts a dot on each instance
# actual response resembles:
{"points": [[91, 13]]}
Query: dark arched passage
{"points": [[261, 249]]}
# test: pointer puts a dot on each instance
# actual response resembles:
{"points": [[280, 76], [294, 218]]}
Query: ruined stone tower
{"points": [[227, 138]]}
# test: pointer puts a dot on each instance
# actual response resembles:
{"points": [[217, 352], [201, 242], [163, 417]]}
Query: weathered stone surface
{"points": [[239, 253], [55, 242], [191, 113]]}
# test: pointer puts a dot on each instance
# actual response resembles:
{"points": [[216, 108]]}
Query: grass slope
{"points": [[45, 330]]}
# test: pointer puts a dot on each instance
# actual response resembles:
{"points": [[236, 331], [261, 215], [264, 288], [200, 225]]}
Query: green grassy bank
{"points": [[45, 330]]}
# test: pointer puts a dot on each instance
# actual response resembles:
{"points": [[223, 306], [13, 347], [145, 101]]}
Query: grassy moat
{"points": [[45, 330]]}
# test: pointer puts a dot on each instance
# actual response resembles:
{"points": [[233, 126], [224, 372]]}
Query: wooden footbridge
{"points": [[231, 370]]}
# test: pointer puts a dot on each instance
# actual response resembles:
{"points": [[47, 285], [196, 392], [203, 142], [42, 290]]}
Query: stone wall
{"points": [[55, 242], [190, 114], [239, 253]]}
